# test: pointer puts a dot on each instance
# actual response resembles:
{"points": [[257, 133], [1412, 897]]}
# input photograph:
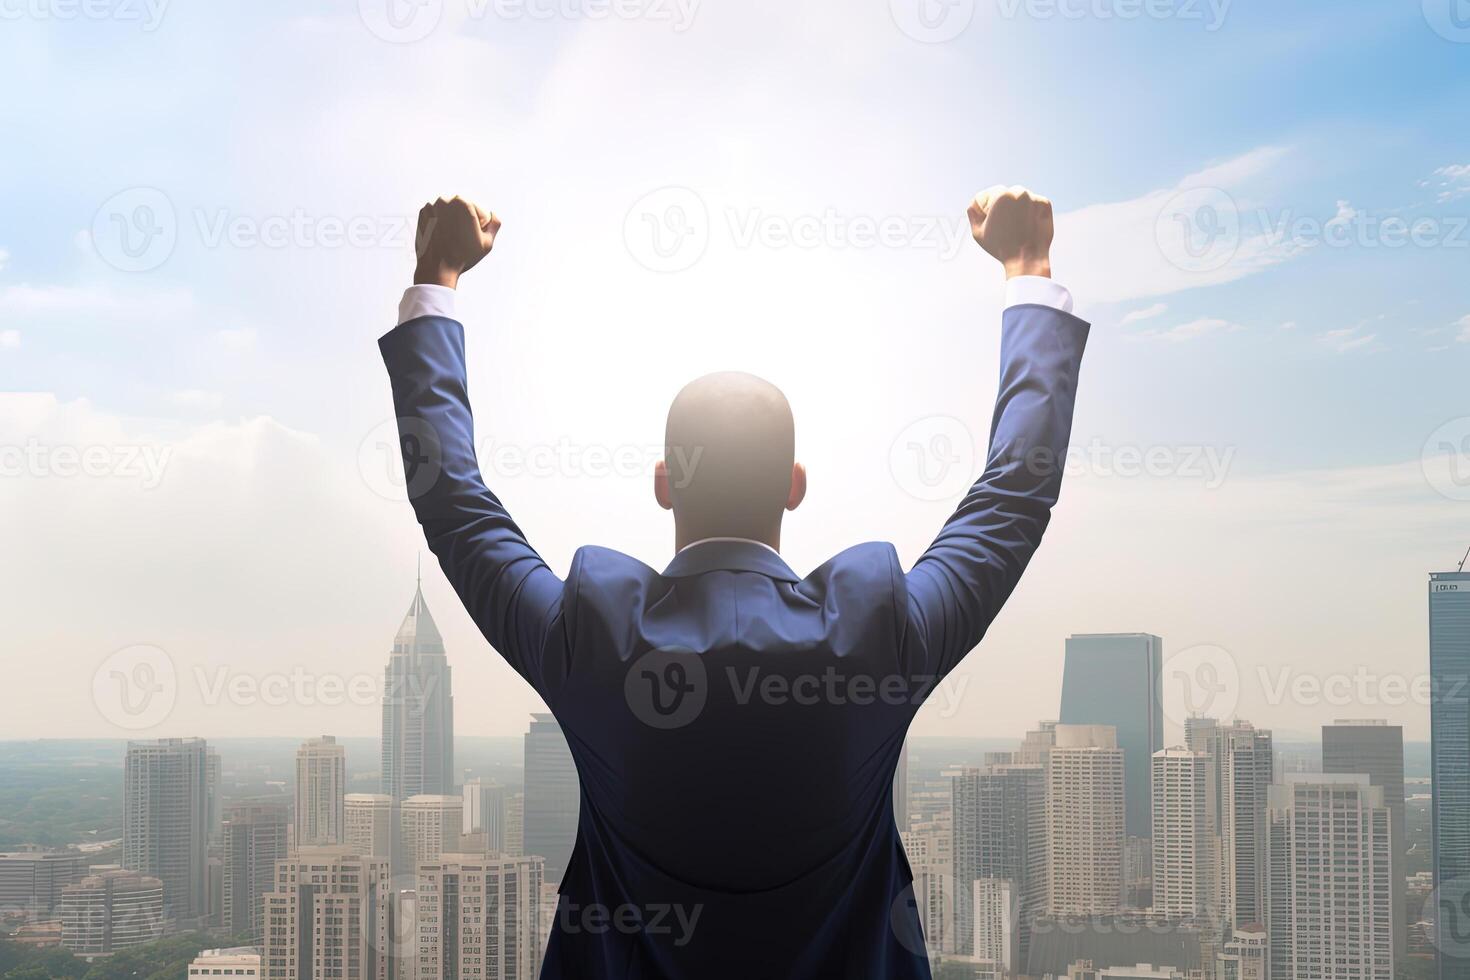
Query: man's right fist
{"points": [[1015, 226], [453, 235]]}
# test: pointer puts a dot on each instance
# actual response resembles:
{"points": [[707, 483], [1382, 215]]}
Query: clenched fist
{"points": [[1015, 226], [453, 235]]}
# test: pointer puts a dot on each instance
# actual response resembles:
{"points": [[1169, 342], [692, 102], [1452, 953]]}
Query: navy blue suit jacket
{"points": [[735, 725]]}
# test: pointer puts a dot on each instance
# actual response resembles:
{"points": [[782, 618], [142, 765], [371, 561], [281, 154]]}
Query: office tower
{"points": [[1201, 736], [553, 796], [1245, 956], [367, 820], [1247, 768], [1181, 869], [1116, 679], [330, 916], [1085, 820], [484, 811], [166, 820], [418, 710], [999, 820], [515, 825], [1449, 733], [478, 917], [1375, 749], [255, 837], [241, 962], [214, 776], [932, 864], [31, 881], [109, 910], [995, 925], [901, 788], [321, 784], [429, 825], [1329, 904]]}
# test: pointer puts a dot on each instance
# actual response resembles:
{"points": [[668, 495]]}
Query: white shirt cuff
{"points": [[426, 300], [1038, 290]]}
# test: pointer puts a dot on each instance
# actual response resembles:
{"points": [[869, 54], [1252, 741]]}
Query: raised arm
{"points": [[506, 587], [958, 586]]}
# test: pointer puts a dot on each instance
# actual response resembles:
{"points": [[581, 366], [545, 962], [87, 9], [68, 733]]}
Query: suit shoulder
{"points": [[872, 563], [594, 562]]}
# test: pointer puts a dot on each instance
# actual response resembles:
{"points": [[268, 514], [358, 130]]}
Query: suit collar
{"points": [[729, 555]]}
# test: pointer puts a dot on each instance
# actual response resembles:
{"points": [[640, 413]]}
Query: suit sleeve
{"points": [[510, 593], [960, 583]]}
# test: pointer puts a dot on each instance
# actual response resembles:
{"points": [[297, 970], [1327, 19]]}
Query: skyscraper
{"points": [[1085, 794], [1375, 749], [1247, 767], [478, 918], [166, 820], [1449, 729], [1329, 904], [368, 824], [1182, 883], [1117, 679], [999, 834], [552, 798], [484, 811], [330, 916], [418, 710], [255, 836], [321, 784]]}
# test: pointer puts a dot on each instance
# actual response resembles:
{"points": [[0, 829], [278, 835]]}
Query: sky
{"points": [[205, 224]]}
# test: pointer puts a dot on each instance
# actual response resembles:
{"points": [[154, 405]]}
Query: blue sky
{"points": [[1319, 361]]}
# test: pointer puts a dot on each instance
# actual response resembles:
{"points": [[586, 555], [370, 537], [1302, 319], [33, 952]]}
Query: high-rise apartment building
{"points": [[1085, 820], [478, 917], [111, 909], [1181, 871], [1247, 767], [321, 785], [166, 813], [999, 821], [429, 825], [331, 916], [367, 822], [1329, 904], [484, 811]]}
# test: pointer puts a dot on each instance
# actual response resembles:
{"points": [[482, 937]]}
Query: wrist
{"points": [[435, 274], [1028, 266]]}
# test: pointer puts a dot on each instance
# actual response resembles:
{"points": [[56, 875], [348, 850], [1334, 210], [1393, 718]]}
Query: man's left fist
{"points": [[453, 235]]}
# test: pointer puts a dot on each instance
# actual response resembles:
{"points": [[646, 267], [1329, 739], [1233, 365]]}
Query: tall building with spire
{"points": [[418, 711]]}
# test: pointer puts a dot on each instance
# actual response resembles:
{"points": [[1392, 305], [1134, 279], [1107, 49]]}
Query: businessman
{"points": [[736, 725]]}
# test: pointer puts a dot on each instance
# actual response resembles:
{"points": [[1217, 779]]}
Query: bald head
{"points": [[729, 464]]}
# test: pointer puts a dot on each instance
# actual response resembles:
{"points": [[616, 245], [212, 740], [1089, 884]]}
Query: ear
{"points": [[798, 487], [661, 485]]}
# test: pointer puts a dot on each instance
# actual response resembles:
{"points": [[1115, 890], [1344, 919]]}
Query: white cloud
{"points": [[24, 299], [1347, 339], [1450, 182], [1144, 314], [1192, 330], [1463, 326], [196, 398]]}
